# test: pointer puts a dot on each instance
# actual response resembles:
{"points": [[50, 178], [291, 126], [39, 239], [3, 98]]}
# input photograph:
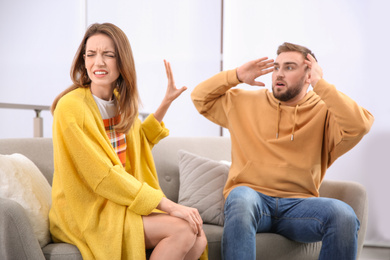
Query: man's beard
{"points": [[290, 93]]}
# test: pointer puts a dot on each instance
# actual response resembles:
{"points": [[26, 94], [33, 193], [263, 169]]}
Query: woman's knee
{"points": [[201, 241], [171, 230], [184, 234]]}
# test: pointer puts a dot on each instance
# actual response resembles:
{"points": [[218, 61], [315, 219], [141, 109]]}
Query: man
{"points": [[282, 144]]}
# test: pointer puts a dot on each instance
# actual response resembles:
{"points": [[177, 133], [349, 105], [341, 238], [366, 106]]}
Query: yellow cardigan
{"points": [[97, 203]]}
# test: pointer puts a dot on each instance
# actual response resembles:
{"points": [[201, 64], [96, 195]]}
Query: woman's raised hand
{"points": [[172, 92], [170, 95]]}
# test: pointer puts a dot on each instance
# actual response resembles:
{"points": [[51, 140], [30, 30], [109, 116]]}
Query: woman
{"points": [[106, 198]]}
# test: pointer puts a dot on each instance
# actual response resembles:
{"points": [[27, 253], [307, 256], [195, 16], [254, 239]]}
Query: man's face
{"points": [[290, 77]]}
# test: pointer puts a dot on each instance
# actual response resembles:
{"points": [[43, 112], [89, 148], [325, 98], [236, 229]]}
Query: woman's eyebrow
{"points": [[103, 51]]}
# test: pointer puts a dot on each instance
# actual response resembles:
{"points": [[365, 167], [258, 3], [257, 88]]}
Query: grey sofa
{"points": [[17, 239]]}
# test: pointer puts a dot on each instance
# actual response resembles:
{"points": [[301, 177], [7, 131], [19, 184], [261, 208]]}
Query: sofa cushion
{"points": [[21, 181], [201, 186]]}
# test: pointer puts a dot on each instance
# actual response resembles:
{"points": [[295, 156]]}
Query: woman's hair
{"points": [[286, 47], [126, 84]]}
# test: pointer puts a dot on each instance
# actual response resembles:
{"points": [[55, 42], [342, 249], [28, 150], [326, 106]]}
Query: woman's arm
{"points": [[171, 94]]}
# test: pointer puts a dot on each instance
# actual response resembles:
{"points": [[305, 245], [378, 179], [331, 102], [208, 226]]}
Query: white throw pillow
{"points": [[22, 181], [201, 185]]}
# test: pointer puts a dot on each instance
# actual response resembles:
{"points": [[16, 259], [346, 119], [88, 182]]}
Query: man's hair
{"points": [[287, 47]]}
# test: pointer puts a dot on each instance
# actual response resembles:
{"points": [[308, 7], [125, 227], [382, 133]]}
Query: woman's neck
{"points": [[102, 92]]}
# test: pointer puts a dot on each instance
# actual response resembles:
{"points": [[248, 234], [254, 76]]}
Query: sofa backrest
{"points": [[40, 151], [166, 158]]}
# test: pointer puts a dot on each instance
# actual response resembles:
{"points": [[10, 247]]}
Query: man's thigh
{"points": [[306, 220], [246, 207]]}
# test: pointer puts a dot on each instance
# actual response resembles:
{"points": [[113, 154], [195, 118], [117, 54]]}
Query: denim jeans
{"points": [[306, 220]]}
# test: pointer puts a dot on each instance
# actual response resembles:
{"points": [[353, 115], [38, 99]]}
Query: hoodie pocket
{"points": [[280, 179]]}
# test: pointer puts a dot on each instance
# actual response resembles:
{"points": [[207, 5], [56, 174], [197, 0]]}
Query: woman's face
{"points": [[101, 64]]}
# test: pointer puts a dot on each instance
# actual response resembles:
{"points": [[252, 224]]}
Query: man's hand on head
{"points": [[248, 72], [315, 70]]}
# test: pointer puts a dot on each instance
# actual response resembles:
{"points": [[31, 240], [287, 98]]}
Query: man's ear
{"points": [[308, 76]]}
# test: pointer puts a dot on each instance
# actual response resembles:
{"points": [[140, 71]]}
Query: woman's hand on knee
{"points": [[191, 215]]}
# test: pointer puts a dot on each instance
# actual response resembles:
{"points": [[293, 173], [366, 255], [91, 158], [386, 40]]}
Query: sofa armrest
{"points": [[17, 238], [355, 195]]}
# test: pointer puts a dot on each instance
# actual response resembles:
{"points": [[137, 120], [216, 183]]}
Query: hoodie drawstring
{"points": [[277, 120], [295, 121], [278, 111]]}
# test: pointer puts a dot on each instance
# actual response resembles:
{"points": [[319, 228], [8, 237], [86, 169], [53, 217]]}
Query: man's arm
{"points": [[347, 121], [209, 96]]}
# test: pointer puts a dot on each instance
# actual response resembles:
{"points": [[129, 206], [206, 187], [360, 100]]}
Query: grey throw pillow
{"points": [[201, 186]]}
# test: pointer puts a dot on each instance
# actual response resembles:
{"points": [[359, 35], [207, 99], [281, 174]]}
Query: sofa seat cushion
{"points": [[61, 251], [201, 185], [22, 182]]}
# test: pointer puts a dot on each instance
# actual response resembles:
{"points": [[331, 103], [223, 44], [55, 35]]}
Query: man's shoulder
{"points": [[313, 99], [249, 91], [249, 96]]}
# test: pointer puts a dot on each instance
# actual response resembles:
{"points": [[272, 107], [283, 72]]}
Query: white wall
{"points": [[350, 39], [38, 41], [40, 38]]}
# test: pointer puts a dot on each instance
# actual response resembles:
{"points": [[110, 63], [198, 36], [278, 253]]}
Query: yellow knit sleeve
{"points": [[154, 130]]}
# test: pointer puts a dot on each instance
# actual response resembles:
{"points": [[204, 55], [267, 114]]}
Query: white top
{"points": [[107, 108]]}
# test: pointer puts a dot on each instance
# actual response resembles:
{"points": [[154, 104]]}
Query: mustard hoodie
{"points": [[278, 150], [97, 203]]}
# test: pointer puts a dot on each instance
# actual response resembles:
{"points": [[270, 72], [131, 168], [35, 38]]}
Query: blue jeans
{"points": [[306, 220]]}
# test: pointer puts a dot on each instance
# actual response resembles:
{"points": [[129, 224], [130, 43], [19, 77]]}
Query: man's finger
{"points": [[308, 63], [311, 58], [266, 63], [258, 83], [260, 60], [266, 71]]}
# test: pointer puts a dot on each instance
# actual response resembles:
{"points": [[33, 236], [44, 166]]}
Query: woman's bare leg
{"points": [[198, 248], [172, 238]]}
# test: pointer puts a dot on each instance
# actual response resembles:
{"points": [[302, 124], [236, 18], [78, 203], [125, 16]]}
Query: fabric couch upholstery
{"points": [[17, 239]]}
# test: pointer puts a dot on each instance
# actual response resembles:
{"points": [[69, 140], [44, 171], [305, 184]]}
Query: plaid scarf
{"points": [[118, 140]]}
